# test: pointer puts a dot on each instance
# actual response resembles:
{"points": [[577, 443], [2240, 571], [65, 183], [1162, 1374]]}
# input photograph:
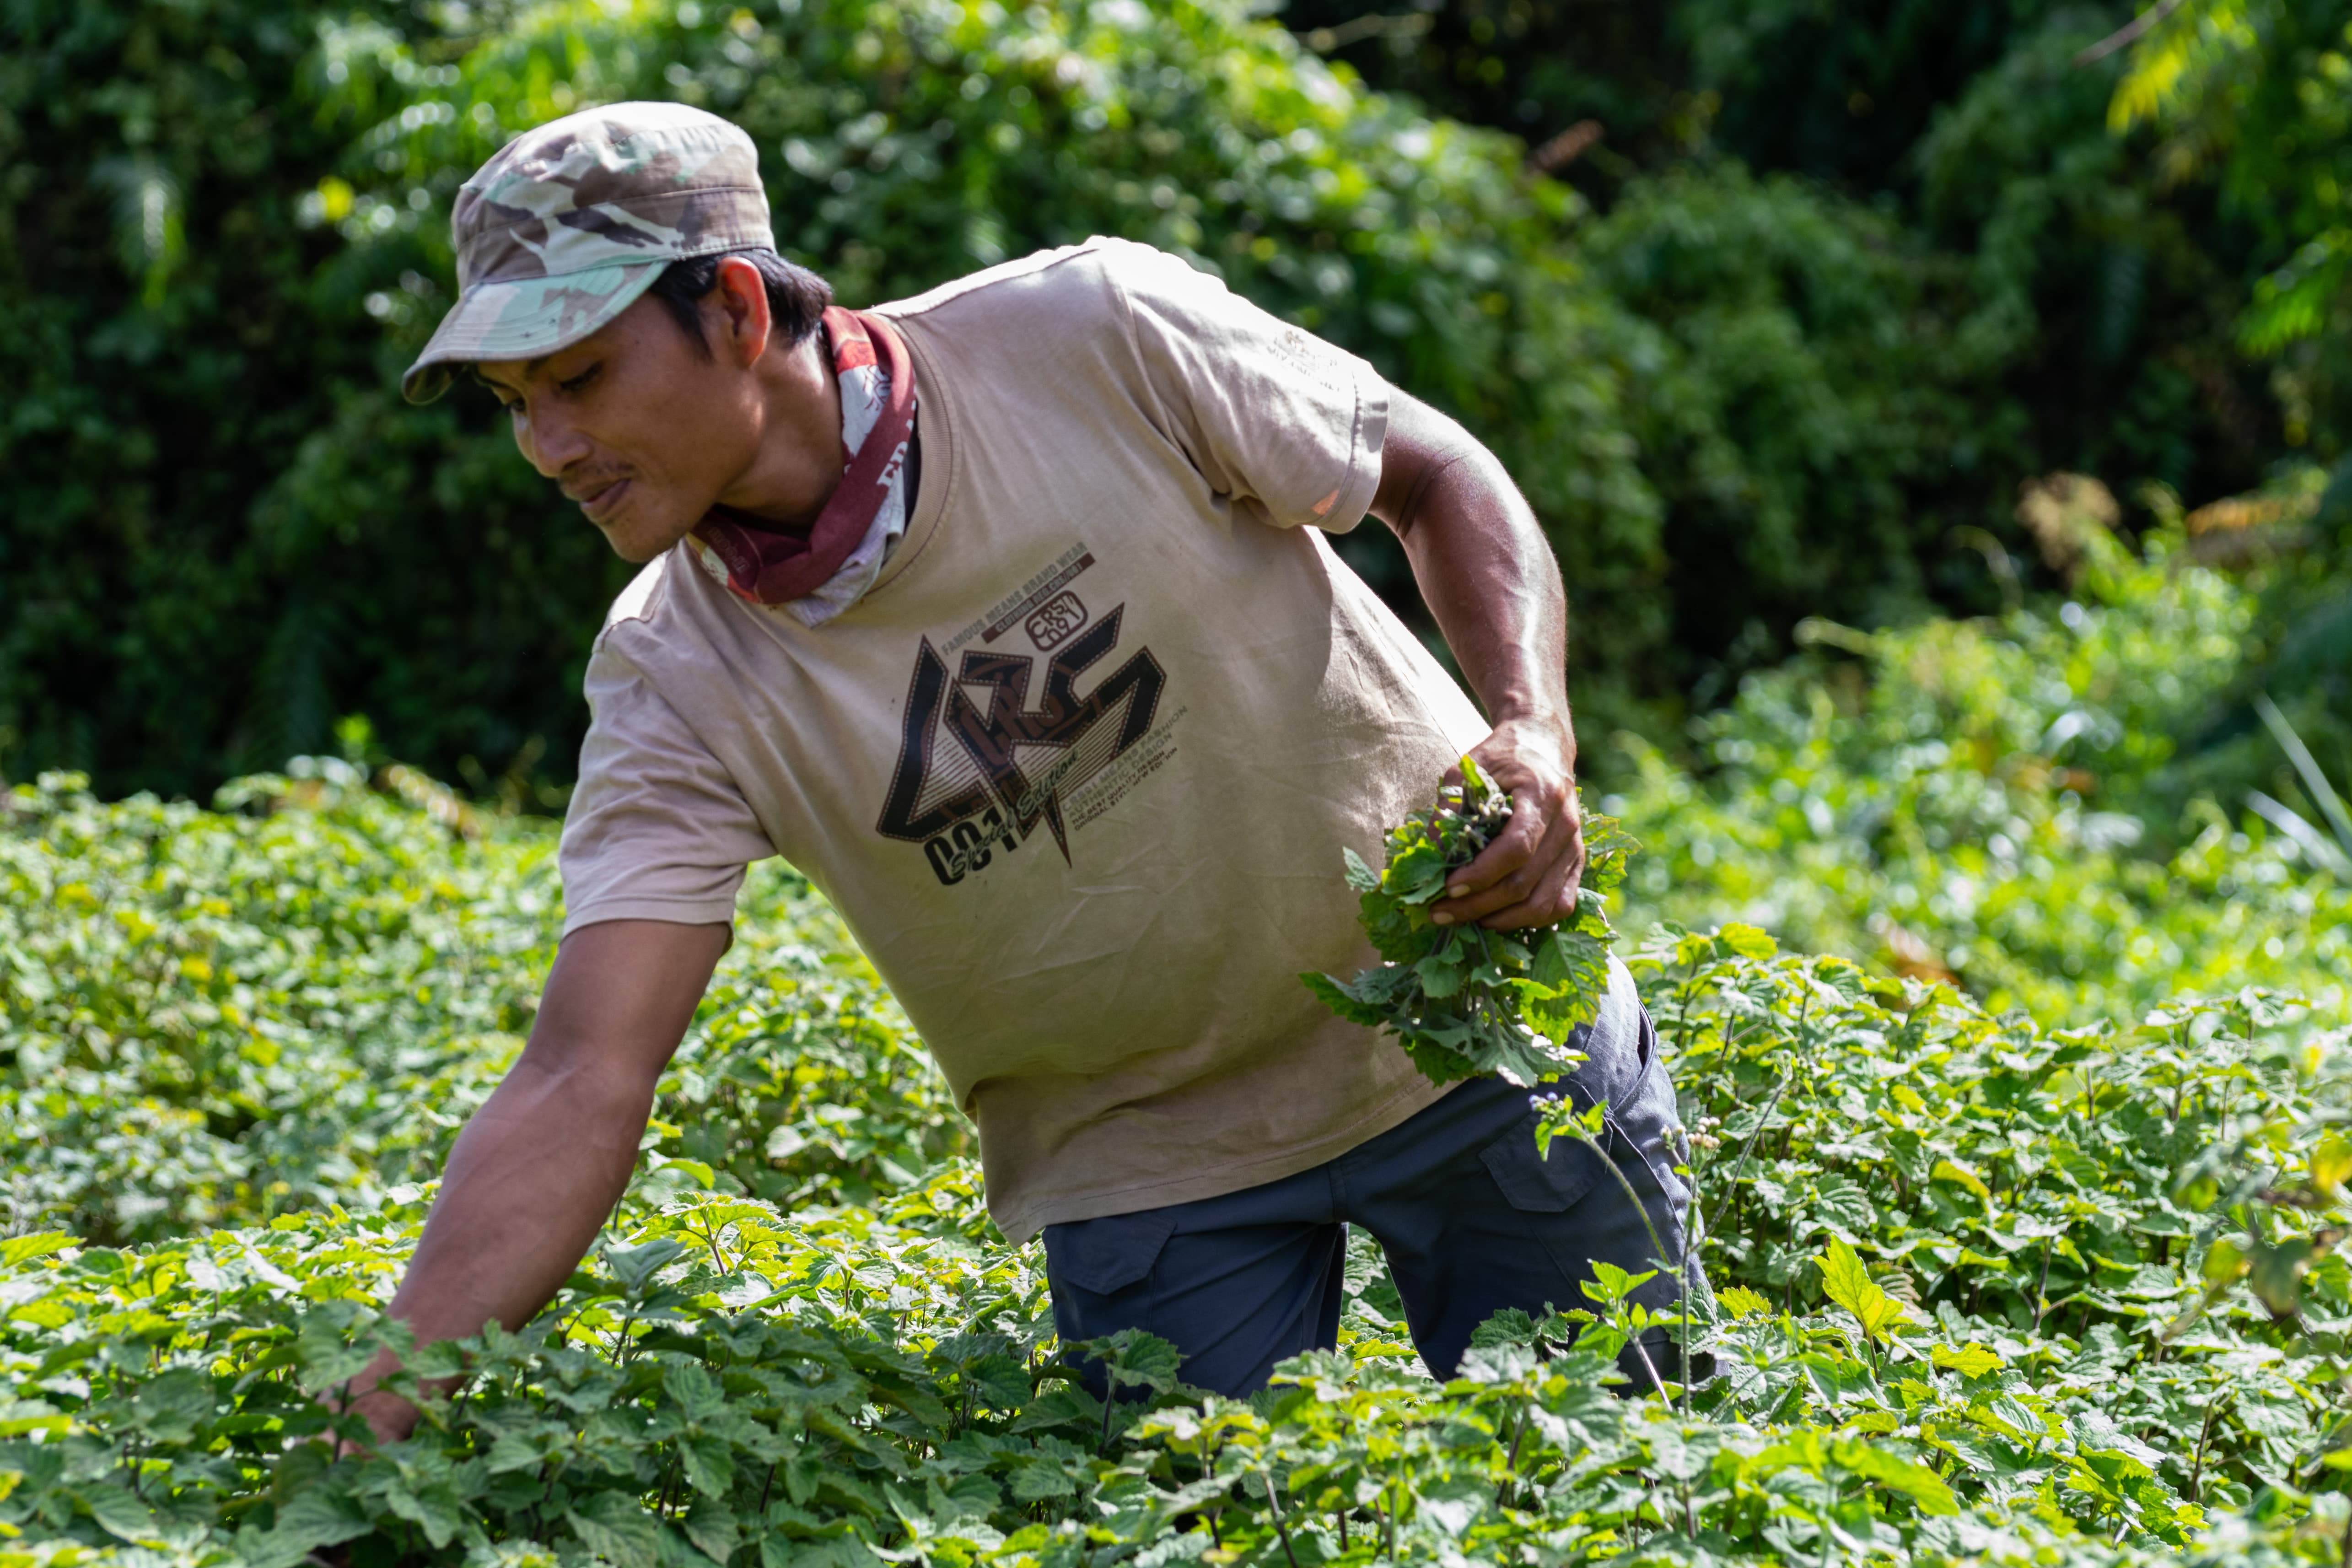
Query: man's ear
{"points": [[741, 298]]}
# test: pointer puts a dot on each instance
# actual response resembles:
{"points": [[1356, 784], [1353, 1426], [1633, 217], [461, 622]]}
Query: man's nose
{"points": [[551, 442]]}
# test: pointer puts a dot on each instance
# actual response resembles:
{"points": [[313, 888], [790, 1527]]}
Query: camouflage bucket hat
{"points": [[564, 229]]}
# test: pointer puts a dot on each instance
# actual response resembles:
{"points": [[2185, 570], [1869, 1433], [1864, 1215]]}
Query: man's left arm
{"points": [[1487, 574]]}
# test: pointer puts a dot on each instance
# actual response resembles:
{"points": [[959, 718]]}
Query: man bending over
{"points": [[1007, 613]]}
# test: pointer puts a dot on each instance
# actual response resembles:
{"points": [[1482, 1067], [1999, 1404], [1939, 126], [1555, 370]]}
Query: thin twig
{"points": [[2197, 1466], [1652, 1368], [1280, 1524], [1765, 1120], [2128, 34], [1694, 1238], [1658, 1247]]}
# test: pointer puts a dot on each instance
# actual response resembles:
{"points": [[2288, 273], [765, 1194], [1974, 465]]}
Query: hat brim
{"points": [[524, 317]]}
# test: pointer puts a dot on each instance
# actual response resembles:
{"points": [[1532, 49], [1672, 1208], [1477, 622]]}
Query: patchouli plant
{"points": [[1464, 1001]]}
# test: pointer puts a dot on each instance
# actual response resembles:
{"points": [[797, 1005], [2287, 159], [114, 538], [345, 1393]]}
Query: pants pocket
{"points": [[1533, 1184], [1106, 1255], [1581, 1194]]}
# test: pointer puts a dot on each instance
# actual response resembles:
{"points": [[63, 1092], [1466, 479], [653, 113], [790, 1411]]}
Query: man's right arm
{"points": [[541, 1163]]}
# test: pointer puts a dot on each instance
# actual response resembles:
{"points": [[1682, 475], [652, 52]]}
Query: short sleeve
{"points": [[657, 830], [1264, 409]]}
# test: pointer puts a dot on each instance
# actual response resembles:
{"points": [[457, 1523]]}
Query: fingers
{"points": [[1519, 842], [390, 1416], [1555, 895], [1528, 876], [389, 1419]]}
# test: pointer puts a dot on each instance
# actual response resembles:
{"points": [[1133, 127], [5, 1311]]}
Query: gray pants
{"points": [[1472, 1218]]}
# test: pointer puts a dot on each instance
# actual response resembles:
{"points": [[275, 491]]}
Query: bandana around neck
{"points": [[818, 576]]}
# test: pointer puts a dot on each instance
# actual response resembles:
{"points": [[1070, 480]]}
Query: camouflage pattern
{"points": [[569, 224]]}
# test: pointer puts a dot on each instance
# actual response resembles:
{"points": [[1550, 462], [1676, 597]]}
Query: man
{"points": [[1005, 614]]}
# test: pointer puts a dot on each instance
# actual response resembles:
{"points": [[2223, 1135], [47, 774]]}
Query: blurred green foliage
{"points": [[207, 562], [2014, 801], [346, 552], [2250, 98], [1783, 343], [2049, 284]]}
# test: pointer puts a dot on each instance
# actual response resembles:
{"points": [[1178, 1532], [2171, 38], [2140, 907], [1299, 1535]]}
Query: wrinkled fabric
{"points": [[1474, 1220], [566, 226], [1078, 766], [815, 577]]}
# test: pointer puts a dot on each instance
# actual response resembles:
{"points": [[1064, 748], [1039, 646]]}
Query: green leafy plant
{"points": [[1462, 1000], [2009, 805], [213, 1018], [2059, 1284], [1953, 1247]]}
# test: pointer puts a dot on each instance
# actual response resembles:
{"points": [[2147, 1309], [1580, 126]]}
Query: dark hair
{"points": [[796, 297]]}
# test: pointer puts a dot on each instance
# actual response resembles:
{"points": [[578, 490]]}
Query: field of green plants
{"points": [[2022, 1154]]}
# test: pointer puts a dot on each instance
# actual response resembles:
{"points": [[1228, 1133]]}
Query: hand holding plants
{"points": [[1465, 1001], [1528, 874]]}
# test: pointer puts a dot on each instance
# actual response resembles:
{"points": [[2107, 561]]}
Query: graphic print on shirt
{"points": [[980, 768]]}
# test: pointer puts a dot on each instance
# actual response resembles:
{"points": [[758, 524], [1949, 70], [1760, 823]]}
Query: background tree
{"points": [[1831, 283]]}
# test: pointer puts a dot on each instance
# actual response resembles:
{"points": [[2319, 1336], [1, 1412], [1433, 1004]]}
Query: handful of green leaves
{"points": [[1464, 1001]]}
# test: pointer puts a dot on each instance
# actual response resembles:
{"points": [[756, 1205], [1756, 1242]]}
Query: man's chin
{"points": [[637, 543]]}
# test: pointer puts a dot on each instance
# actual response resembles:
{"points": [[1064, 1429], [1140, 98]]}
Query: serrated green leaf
{"points": [[1969, 1360], [1848, 1283], [1921, 1485], [1335, 996], [1745, 940], [1439, 979], [713, 1530], [696, 1392], [615, 1527], [708, 1463]]}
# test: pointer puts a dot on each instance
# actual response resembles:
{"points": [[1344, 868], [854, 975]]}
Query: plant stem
{"points": [[1593, 1144], [1281, 1525], [1682, 1305], [1651, 1367], [2197, 1466], [1771, 1105], [1694, 1238], [710, 1238], [1510, 1468]]}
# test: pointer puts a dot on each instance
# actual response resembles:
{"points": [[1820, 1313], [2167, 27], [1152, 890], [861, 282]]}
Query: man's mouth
{"points": [[600, 501]]}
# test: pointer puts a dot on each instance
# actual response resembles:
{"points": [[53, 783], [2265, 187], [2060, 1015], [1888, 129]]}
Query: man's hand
{"points": [[1487, 573], [1528, 874], [389, 1417], [549, 1153]]}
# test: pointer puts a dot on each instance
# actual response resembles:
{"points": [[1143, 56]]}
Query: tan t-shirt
{"points": [[1077, 770]]}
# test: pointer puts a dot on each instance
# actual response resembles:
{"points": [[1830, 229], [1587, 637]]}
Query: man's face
{"points": [[635, 426]]}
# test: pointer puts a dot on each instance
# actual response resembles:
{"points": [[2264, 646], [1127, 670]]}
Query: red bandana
{"points": [[769, 567]]}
